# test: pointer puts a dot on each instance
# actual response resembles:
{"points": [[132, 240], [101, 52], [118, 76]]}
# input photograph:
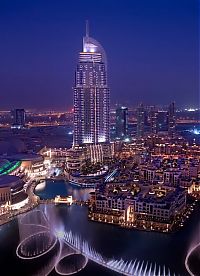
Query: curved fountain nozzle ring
{"points": [[187, 258], [37, 240], [71, 264], [36, 245]]}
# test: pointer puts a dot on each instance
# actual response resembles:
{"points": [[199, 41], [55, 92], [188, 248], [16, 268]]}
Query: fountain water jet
{"points": [[123, 267], [71, 252]]}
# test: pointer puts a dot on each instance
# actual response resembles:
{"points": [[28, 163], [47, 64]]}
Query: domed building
{"points": [[12, 194], [15, 159], [8, 167], [32, 164]]}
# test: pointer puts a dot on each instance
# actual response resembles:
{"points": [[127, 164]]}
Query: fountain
{"points": [[192, 260], [38, 245], [43, 237], [134, 268], [71, 264]]}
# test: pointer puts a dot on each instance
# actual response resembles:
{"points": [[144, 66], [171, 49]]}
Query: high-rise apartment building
{"points": [[140, 121], [121, 122], [91, 95], [171, 120]]}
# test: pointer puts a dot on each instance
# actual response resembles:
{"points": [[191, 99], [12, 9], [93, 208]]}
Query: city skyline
{"points": [[153, 51], [99, 142]]}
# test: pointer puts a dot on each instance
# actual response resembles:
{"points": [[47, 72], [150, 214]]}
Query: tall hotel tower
{"points": [[91, 95]]}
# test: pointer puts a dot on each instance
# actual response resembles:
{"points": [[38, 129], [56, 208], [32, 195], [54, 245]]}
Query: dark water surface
{"points": [[110, 241]]}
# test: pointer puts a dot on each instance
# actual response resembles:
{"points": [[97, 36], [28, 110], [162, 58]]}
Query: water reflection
{"points": [[110, 241], [50, 189]]}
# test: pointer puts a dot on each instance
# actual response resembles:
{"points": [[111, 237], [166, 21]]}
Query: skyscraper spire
{"points": [[87, 28]]}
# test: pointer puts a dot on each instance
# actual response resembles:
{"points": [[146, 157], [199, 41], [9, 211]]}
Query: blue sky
{"points": [[151, 46]]}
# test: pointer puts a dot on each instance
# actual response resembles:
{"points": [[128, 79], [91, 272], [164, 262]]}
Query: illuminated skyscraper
{"points": [[121, 122], [91, 95], [171, 120], [140, 121]]}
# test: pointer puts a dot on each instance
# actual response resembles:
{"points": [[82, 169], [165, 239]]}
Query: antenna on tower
{"points": [[87, 28]]}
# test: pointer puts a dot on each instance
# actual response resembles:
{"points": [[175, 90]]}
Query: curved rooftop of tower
{"points": [[92, 46]]}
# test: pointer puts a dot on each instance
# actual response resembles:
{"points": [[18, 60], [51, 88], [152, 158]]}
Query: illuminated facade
{"points": [[12, 194], [153, 209], [91, 95], [75, 158], [99, 153]]}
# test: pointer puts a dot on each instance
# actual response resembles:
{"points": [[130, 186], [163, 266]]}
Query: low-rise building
{"points": [[154, 208], [75, 159], [172, 176], [12, 194]]}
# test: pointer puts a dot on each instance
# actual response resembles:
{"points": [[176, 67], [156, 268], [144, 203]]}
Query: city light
{"points": [[195, 131], [100, 163]]}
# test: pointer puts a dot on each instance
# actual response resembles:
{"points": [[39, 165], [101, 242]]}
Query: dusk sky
{"points": [[151, 46]]}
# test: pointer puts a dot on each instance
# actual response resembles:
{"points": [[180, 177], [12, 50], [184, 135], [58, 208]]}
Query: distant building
{"points": [[91, 95], [153, 116], [121, 122], [140, 121], [162, 120], [19, 118], [171, 120]]}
